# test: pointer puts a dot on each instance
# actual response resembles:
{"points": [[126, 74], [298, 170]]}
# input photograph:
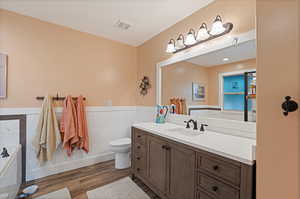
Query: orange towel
{"points": [[82, 125], [183, 105], [68, 126], [178, 106]]}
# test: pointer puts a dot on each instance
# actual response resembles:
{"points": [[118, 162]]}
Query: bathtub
{"points": [[10, 172]]}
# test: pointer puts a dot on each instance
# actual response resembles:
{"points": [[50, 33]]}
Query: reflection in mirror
{"points": [[221, 84]]}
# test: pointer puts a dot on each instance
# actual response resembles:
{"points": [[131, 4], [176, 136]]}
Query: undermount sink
{"points": [[185, 131]]}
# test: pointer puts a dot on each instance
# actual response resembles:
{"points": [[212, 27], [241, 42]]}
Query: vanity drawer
{"points": [[227, 171], [139, 150], [140, 165], [201, 195], [140, 158], [140, 137], [217, 188]]}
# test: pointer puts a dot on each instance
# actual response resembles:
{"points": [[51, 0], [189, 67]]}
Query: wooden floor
{"points": [[81, 180]]}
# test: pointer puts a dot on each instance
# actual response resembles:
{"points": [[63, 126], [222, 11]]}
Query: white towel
{"points": [[47, 137]]}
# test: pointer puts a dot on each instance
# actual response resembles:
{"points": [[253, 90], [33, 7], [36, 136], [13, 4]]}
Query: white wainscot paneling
{"points": [[145, 113], [104, 124], [9, 133]]}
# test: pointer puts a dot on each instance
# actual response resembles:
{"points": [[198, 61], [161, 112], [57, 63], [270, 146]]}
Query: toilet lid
{"points": [[121, 142]]}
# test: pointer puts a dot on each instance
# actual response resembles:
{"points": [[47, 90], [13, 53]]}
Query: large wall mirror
{"points": [[218, 84], [3, 75]]}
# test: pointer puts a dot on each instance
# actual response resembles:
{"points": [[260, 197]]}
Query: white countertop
{"points": [[232, 147]]}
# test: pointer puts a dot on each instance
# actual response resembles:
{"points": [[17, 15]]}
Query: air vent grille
{"points": [[122, 25]]}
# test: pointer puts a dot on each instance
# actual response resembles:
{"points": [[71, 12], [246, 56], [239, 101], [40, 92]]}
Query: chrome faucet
{"points": [[195, 124], [4, 153]]}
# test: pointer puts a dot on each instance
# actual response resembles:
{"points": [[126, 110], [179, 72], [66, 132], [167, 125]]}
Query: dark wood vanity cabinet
{"points": [[177, 171], [167, 168], [157, 163], [181, 169]]}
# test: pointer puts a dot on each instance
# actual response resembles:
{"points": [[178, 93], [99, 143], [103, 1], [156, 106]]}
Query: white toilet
{"points": [[121, 147]]}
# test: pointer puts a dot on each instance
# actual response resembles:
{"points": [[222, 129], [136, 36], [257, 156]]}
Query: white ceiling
{"points": [[147, 17], [243, 51]]}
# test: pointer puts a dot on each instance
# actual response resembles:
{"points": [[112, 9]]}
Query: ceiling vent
{"points": [[122, 25]]}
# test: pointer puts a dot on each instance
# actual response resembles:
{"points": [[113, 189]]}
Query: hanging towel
{"points": [[68, 125], [184, 108], [181, 106], [82, 125], [172, 101], [47, 137], [178, 106]]}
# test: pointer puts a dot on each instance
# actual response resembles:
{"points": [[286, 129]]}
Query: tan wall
{"points": [[47, 58], [240, 13], [278, 69], [213, 77], [177, 81]]}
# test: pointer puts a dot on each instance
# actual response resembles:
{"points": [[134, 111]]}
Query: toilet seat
{"points": [[121, 142]]}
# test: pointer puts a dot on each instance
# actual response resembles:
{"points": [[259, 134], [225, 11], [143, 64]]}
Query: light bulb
{"points": [[217, 27], [190, 38], [180, 42], [225, 59], [203, 33], [171, 46]]}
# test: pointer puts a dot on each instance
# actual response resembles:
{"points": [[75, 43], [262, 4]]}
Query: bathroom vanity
{"points": [[177, 163]]}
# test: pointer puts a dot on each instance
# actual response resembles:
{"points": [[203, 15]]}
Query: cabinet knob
{"points": [[138, 136], [165, 147], [138, 169], [138, 158], [216, 167], [138, 147], [215, 188]]}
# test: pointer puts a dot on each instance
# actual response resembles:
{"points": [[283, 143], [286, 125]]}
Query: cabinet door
{"points": [[157, 163], [182, 172]]}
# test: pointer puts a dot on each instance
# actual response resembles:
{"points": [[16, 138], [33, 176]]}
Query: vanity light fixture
{"points": [[171, 46], [217, 27], [203, 35], [190, 38], [180, 42]]}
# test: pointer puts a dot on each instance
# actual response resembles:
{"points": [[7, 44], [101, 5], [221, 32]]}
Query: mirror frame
{"points": [[224, 42], [5, 59]]}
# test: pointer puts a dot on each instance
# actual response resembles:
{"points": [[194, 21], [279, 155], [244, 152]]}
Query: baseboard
{"points": [[67, 166]]}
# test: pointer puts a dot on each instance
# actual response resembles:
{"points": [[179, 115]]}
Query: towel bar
{"points": [[57, 98]]}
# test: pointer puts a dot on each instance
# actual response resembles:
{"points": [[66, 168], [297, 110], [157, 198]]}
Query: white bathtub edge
{"points": [[4, 170]]}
